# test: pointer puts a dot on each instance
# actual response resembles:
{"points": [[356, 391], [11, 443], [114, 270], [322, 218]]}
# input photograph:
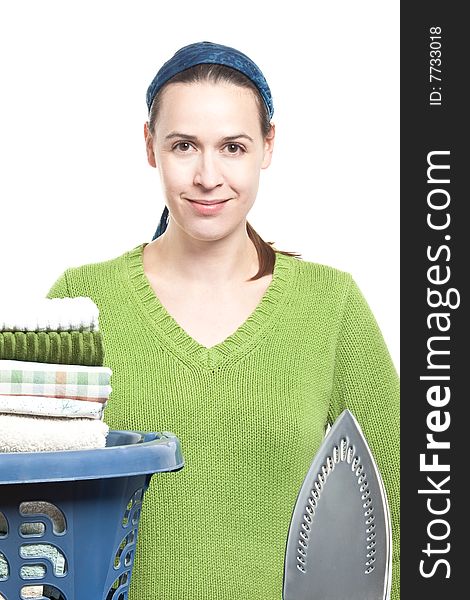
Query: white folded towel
{"points": [[25, 365], [49, 314], [39, 434], [46, 406]]}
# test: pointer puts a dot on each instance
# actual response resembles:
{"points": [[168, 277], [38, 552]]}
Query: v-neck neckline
{"points": [[189, 350]]}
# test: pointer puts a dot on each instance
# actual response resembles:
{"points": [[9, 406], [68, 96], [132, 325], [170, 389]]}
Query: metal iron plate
{"points": [[339, 541]]}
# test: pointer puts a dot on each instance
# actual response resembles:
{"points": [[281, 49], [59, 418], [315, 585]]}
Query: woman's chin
{"points": [[209, 232]]}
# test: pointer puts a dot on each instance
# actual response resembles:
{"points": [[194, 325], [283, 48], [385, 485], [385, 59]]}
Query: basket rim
{"points": [[127, 453]]}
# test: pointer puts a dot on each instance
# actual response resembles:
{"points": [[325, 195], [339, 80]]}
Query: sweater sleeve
{"points": [[366, 382]]}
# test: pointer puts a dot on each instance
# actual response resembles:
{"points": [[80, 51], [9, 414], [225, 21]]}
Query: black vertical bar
{"points": [[434, 266]]}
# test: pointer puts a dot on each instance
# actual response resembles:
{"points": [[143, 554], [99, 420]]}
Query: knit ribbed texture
{"points": [[250, 413], [58, 347]]}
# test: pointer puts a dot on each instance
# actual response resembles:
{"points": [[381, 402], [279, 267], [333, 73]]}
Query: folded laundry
{"points": [[29, 592], [55, 377], [4, 571], [49, 314], [19, 433], [88, 393], [39, 551], [84, 393], [48, 551], [50, 407], [65, 347], [40, 511], [35, 508]]}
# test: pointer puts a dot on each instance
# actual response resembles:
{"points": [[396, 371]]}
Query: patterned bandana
{"points": [[210, 53]]}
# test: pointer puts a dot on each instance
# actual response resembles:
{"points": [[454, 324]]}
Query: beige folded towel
{"points": [[36, 434]]}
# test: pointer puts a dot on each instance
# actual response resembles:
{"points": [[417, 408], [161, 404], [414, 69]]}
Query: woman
{"points": [[243, 351]]}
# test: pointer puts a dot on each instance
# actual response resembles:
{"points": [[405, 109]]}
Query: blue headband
{"points": [[207, 53]]}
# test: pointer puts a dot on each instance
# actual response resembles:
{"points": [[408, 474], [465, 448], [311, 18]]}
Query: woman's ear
{"points": [[149, 146], [268, 147]]}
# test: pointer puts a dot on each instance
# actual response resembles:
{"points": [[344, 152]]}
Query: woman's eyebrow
{"points": [[186, 136]]}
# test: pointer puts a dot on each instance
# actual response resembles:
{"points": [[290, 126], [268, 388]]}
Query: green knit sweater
{"points": [[250, 413]]}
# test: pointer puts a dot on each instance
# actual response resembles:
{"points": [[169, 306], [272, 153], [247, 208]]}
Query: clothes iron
{"points": [[339, 543]]}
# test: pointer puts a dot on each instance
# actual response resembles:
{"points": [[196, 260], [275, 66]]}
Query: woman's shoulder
{"points": [[88, 278], [319, 275], [330, 291], [108, 265]]}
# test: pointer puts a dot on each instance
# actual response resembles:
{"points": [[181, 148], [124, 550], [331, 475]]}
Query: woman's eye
{"points": [[234, 148], [183, 146]]}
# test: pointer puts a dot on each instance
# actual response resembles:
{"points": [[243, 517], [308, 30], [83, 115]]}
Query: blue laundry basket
{"points": [[68, 520]]}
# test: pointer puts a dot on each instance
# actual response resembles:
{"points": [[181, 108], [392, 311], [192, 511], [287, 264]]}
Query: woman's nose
{"points": [[208, 173]]}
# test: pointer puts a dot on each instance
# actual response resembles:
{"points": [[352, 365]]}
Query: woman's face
{"points": [[209, 149]]}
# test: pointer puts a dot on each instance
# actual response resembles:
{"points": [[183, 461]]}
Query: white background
{"points": [[75, 186]]}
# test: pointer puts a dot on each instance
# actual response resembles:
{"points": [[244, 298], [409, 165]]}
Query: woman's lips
{"points": [[207, 201], [205, 207]]}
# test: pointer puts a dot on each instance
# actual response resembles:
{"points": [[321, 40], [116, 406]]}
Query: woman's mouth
{"points": [[208, 207]]}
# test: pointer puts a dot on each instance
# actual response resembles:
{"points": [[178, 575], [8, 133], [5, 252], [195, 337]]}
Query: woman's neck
{"points": [[230, 260]]}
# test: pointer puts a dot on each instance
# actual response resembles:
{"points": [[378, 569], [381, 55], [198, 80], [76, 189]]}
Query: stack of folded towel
{"points": [[53, 386], [53, 330]]}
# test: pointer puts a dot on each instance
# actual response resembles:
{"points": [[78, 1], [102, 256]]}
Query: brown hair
{"points": [[215, 73]]}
